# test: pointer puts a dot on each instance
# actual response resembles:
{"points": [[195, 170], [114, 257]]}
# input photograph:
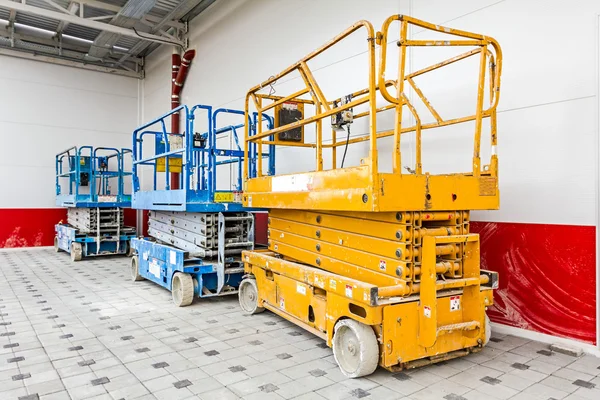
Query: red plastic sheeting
{"points": [[30, 227], [260, 227], [547, 276]]}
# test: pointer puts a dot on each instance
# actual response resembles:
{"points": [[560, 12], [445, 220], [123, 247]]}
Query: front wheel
{"points": [[130, 250], [355, 348], [488, 330], [76, 251], [135, 269], [182, 289], [248, 296]]}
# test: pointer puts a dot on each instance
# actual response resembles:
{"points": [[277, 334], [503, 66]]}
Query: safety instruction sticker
{"points": [[282, 303], [300, 288], [349, 291], [382, 265], [224, 197], [154, 268], [454, 303], [427, 311], [173, 257], [332, 284]]}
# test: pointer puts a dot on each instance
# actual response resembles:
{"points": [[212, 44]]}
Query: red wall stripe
{"points": [[547, 276], [28, 227]]}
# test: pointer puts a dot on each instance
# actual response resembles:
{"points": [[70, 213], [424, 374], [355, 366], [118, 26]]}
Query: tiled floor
{"points": [[84, 330]]}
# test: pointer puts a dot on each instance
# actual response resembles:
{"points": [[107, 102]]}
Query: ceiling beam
{"points": [[111, 7], [176, 13], [62, 25], [75, 64], [58, 7], [27, 9]]}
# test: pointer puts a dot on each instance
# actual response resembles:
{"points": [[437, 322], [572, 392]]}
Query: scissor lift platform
{"points": [[95, 224], [382, 265], [196, 232]]}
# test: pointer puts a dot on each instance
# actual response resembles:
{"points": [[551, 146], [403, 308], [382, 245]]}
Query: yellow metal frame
{"points": [[364, 188], [414, 330]]}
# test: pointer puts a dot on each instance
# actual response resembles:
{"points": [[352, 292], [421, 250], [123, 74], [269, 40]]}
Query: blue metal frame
{"points": [[159, 262], [88, 160], [198, 179], [67, 235]]}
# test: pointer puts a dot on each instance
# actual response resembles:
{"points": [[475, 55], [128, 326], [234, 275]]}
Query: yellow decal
{"points": [[224, 197]]}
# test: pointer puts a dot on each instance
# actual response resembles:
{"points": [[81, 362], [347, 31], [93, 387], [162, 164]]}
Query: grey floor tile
{"points": [[66, 325]]}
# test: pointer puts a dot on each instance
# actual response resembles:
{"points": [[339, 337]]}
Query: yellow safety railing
{"points": [[486, 48]]}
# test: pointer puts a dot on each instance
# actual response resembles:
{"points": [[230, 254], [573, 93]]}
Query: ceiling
{"points": [[105, 35]]}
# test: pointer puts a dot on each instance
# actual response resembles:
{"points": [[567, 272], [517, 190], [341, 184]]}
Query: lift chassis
{"points": [[83, 243], [207, 266]]}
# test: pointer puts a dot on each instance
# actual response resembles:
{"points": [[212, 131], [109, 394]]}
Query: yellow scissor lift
{"points": [[380, 265]]}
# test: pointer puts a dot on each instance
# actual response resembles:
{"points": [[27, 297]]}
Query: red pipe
{"points": [[179, 72]]}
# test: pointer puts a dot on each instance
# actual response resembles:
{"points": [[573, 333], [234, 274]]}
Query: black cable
{"points": [[346, 147], [158, 40]]}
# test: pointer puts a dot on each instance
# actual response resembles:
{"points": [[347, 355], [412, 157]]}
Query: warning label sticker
{"points": [[282, 303], [154, 268], [300, 288], [332, 284], [349, 291], [427, 311], [454, 303], [382, 265], [224, 197]]}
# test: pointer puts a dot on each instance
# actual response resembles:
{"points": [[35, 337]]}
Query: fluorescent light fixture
{"points": [[52, 33]]}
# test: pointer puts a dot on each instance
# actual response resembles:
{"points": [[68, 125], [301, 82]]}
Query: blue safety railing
{"points": [[91, 168], [198, 159]]}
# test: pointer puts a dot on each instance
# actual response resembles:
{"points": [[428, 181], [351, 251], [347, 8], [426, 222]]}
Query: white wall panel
{"points": [[546, 115], [48, 108]]}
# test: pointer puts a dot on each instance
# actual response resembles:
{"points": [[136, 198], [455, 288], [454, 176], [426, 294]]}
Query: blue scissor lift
{"points": [[85, 183], [197, 232]]}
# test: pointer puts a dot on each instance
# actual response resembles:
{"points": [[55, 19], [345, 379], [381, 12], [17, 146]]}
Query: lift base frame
{"points": [[158, 263], [316, 300], [110, 244]]}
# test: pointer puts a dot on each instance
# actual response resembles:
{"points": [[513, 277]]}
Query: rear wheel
{"points": [[355, 348], [182, 289], [76, 251], [248, 296], [135, 269], [130, 250], [488, 330], [56, 248]]}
